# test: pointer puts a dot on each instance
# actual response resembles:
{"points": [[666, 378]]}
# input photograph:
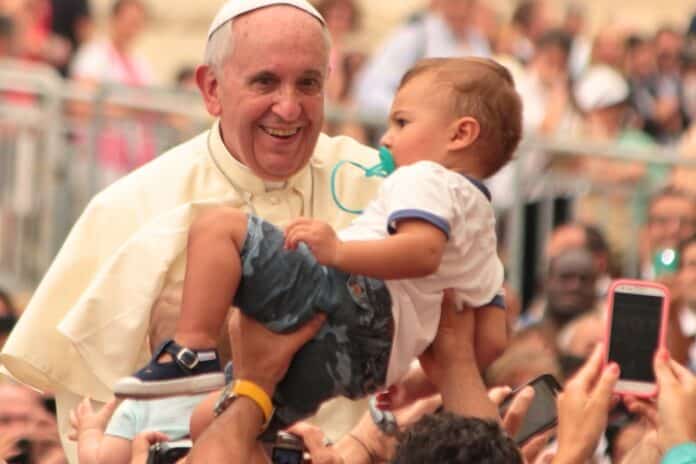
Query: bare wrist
{"points": [[338, 255]]}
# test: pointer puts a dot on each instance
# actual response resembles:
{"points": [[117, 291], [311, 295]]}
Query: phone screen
{"points": [[542, 413], [635, 331], [286, 456]]}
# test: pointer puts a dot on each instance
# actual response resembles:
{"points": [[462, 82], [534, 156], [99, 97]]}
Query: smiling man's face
{"points": [[271, 90]]}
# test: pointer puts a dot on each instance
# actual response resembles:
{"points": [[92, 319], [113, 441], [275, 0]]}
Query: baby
{"points": [[381, 280]]}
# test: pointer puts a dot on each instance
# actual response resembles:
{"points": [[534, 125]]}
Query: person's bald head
{"points": [[570, 284]]}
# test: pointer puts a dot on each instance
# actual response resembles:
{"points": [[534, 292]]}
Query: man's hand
{"points": [[319, 237], [454, 343], [512, 420], [450, 364], [262, 356], [583, 409], [320, 451], [141, 445]]}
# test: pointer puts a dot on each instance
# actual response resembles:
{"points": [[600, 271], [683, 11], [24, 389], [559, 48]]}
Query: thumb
{"points": [[309, 330], [663, 374], [602, 392], [106, 412]]}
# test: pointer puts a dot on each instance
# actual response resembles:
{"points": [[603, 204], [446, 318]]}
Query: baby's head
{"points": [[463, 113]]}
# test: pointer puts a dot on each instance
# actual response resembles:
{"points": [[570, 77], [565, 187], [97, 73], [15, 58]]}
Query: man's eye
{"points": [[310, 85]]}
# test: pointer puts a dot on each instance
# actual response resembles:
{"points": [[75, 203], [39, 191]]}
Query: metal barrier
{"points": [[61, 142], [553, 181]]}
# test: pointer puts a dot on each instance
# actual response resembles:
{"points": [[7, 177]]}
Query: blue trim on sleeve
{"points": [[426, 216], [498, 300], [681, 454]]}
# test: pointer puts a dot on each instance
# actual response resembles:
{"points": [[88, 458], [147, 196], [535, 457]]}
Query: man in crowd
{"points": [[570, 292], [671, 219], [445, 30]]}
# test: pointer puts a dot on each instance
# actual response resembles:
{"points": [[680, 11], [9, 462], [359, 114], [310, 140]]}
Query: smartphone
{"points": [[542, 413], [287, 449], [168, 452], [637, 316]]}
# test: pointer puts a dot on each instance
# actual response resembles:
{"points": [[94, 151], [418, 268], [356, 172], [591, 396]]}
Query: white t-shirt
{"points": [[170, 416], [469, 265]]}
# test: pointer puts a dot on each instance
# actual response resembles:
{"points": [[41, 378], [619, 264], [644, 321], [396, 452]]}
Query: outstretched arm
{"points": [[414, 250]]}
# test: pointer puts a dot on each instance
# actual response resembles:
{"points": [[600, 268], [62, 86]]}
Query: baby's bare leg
{"points": [[213, 270]]}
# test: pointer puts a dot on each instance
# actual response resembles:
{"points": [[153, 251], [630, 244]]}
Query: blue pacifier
{"points": [[385, 167]]}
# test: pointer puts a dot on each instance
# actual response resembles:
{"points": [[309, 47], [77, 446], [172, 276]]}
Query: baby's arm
{"points": [[415, 250], [89, 429], [114, 450]]}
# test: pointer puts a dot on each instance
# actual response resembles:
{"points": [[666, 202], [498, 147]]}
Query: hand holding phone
{"points": [[542, 414], [637, 317]]}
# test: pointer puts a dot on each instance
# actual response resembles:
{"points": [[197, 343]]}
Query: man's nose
{"points": [[287, 105]]}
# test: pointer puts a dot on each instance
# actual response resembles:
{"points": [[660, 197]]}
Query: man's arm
{"points": [[414, 250], [450, 364], [261, 357]]}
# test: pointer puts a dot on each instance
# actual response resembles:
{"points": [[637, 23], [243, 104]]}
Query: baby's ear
{"points": [[465, 131]]}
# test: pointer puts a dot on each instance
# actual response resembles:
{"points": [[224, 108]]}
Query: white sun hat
{"points": [[600, 87], [233, 8]]}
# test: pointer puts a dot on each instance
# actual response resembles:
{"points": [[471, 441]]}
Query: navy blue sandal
{"points": [[191, 372]]}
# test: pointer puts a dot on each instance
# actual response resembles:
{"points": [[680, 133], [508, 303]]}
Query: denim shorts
{"points": [[283, 289]]}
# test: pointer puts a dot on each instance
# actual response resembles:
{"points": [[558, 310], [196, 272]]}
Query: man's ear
{"points": [[208, 85], [465, 131]]}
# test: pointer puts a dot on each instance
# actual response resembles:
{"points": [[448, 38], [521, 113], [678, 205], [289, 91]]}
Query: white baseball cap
{"points": [[233, 8], [600, 87]]}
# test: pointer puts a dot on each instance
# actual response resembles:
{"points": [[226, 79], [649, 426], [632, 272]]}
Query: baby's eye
{"points": [[400, 122]]}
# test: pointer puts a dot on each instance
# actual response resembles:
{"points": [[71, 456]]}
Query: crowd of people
{"points": [[113, 296]]}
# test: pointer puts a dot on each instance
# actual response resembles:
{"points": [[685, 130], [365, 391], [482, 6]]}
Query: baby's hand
{"points": [[412, 387], [320, 238], [392, 398], [84, 419]]}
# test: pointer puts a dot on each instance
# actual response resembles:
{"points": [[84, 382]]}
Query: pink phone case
{"points": [[663, 323]]}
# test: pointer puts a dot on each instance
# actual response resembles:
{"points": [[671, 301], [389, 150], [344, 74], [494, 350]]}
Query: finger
{"points": [[312, 436], [296, 222], [498, 394], [665, 377], [591, 370], [85, 407], [517, 410], [73, 419], [307, 331], [297, 235], [531, 449], [108, 409], [141, 443], [642, 408], [601, 395], [681, 372]]}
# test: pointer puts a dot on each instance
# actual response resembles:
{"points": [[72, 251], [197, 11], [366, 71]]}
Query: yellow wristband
{"points": [[257, 394]]}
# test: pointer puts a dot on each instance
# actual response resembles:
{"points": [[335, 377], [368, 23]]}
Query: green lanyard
{"points": [[385, 167]]}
